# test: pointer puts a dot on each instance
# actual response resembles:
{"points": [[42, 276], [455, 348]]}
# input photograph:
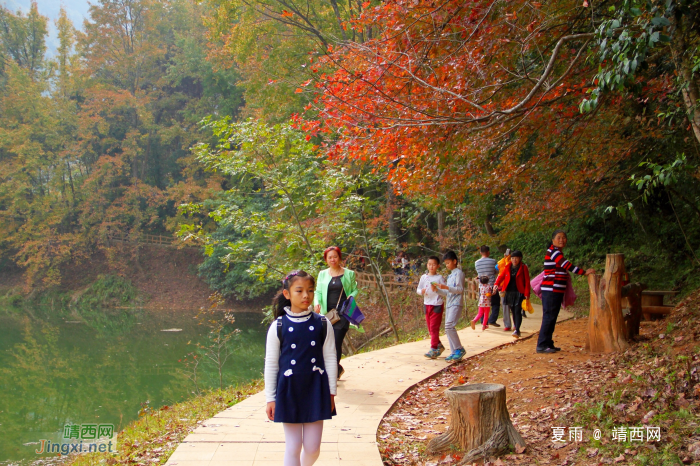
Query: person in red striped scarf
{"points": [[556, 275]]}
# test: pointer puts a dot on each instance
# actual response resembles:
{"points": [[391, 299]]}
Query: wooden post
{"points": [[607, 332], [633, 293], [480, 425]]}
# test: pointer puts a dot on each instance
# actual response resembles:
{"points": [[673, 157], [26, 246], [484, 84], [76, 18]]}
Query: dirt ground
{"points": [[539, 389], [167, 278]]}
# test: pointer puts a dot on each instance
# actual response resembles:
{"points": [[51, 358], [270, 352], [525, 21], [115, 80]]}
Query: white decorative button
{"points": [[313, 359], [311, 328], [291, 329], [294, 345], [293, 362], [313, 343], [288, 372]]}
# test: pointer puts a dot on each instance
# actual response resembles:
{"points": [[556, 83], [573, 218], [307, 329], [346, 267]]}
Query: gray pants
{"points": [[506, 316], [452, 315]]}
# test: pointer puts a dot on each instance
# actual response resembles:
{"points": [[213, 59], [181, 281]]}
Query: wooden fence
{"points": [[472, 285], [393, 281], [161, 240]]}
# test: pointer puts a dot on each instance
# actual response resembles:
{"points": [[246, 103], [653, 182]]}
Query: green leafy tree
{"points": [[638, 35], [23, 39], [309, 203], [276, 163]]}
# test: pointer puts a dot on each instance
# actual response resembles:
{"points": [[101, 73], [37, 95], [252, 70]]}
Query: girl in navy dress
{"points": [[301, 370]]}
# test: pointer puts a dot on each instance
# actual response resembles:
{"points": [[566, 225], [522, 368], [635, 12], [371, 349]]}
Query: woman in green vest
{"points": [[333, 287]]}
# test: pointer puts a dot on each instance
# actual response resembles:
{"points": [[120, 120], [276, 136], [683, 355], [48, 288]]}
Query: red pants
{"points": [[483, 312], [433, 317]]}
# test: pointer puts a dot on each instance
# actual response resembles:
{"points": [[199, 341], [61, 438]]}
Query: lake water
{"points": [[101, 368]]}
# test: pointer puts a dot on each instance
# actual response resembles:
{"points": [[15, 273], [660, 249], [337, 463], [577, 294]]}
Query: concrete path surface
{"points": [[242, 436]]}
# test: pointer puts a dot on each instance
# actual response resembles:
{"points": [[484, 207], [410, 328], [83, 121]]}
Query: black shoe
{"points": [[524, 314], [495, 324], [555, 348], [341, 371], [546, 350]]}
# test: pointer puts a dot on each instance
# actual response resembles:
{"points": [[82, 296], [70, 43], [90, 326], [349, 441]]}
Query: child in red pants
{"points": [[484, 303], [433, 305]]}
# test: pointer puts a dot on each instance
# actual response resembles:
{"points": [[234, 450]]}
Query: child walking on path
{"points": [[300, 370], [486, 266], [453, 307], [433, 306], [484, 303]]}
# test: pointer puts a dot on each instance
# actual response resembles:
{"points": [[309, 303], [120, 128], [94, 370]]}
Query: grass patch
{"points": [[107, 291], [156, 434]]}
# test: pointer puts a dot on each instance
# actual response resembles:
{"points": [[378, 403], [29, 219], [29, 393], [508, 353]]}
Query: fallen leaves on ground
{"points": [[651, 384]]}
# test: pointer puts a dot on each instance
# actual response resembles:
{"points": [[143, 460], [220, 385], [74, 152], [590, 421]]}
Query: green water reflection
{"points": [[53, 372]]}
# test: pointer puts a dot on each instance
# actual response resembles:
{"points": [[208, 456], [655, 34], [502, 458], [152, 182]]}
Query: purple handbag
{"points": [[352, 311]]}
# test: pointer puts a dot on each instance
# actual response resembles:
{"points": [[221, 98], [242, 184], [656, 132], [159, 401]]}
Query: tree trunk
{"points": [[683, 58], [489, 226], [480, 424], [391, 212], [376, 271], [606, 325], [633, 293], [441, 228]]}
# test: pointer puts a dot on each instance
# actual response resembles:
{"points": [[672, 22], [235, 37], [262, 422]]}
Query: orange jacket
{"points": [[522, 280]]}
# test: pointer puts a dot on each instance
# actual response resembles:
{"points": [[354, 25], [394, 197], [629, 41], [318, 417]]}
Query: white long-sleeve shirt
{"points": [[430, 298], [272, 355]]}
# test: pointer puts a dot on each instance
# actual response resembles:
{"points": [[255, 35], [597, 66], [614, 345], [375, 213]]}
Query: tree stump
{"points": [[633, 293], [480, 424], [607, 332]]}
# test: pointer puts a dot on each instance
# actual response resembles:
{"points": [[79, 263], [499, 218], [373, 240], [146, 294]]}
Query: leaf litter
{"points": [[544, 392]]}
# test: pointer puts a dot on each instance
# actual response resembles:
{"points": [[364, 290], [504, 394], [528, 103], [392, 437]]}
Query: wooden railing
{"points": [[162, 240], [472, 285], [393, 281]]}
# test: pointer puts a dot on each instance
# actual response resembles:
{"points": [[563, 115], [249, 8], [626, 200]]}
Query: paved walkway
{"points": [[242, 436]]}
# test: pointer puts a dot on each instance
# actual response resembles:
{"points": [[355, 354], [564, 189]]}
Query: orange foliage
{"points": [[477, 103]]}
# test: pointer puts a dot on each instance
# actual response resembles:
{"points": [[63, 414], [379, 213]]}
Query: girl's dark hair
{"points": [[516, 254], [435, 258], [484, 280], [449, 255], [279, 302]]}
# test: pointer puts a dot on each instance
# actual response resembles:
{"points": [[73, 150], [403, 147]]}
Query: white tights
{"points": [[298, 435]]}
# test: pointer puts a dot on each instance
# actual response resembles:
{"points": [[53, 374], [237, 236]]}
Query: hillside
{"points": [[162, 277]]}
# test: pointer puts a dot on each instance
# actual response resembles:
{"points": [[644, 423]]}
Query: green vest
{"points": [[324, 278]]}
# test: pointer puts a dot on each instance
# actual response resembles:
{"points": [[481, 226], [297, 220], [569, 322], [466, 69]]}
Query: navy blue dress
{"points": [[303, 391]]}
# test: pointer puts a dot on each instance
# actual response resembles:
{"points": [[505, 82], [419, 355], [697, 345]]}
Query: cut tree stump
{"points": [[607, 332], [633, 293], [480, 425]]}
